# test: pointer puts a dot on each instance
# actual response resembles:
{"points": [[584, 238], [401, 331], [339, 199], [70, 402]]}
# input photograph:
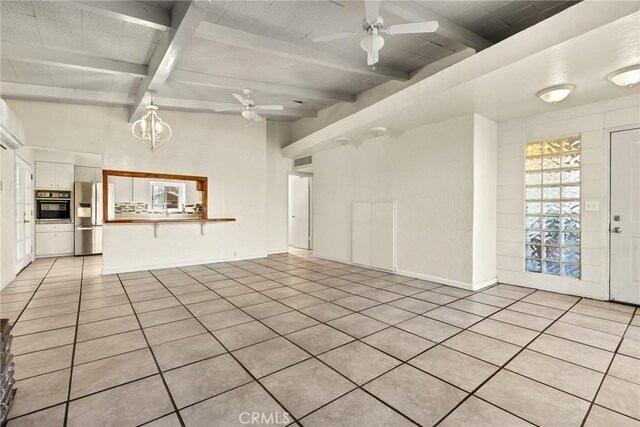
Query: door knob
{"points": [[616, 230], [617, 218]]}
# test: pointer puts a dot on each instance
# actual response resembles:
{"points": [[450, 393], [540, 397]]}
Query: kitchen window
{"points": [[552, 207], [167, 196]]}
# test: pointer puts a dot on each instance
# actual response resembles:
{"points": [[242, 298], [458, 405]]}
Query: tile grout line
{"points": [[331, 302], [73, 349], [312, 356], [405, 362], [595, 396], [155, 360], [32, 295], [228, 352], [502, 367]]}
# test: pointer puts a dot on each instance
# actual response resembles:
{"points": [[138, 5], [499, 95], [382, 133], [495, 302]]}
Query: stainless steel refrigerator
{"points": [[88, 218]]}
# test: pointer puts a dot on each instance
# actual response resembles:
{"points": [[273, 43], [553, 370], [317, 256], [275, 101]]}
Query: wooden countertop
{"points": [[170, 220]]}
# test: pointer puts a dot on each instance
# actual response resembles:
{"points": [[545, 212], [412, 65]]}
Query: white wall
{"points": [[222, 147], [278, 167], [590, 122], [7, 217], [485, 176], [429, 170]]}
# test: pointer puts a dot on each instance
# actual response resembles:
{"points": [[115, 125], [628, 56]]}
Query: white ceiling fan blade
{"points": [[219, 110], [336, 36], [372, 9], [413, 27], [269, 107], [240, 98], [255, 117], [372, 57]]}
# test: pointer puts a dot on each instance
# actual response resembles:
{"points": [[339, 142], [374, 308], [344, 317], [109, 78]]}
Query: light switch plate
{"points": [[592, 206]]}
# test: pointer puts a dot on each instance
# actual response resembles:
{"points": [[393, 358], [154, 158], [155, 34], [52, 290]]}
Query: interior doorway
{"points": [[24, 216], [300, 228], [625, 216]]}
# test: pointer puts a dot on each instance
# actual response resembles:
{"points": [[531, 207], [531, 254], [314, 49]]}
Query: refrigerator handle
{"points": [[93, 203]]}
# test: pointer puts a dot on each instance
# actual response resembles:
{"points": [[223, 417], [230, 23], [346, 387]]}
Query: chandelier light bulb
{"points": [[151, 130]]}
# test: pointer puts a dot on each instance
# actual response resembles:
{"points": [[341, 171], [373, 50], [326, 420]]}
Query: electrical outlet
{"points": [[592, 206], [234, 253]]}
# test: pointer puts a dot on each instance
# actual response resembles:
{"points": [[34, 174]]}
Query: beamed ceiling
{"points": [[195, 54]]}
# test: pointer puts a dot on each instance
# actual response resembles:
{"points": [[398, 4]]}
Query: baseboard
{"points": [[436, 279], [11, 279], [278, 251], [129, 269], [326, 258], [484, 283], [421, 276]]}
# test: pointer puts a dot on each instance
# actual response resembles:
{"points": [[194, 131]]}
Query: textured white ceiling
{"points": [[61, 25]]}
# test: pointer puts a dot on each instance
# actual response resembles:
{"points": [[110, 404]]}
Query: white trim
{"points": [[606, 200], [278, 251], [428, 277], [130, 269], [449, 282], [551, 286]]}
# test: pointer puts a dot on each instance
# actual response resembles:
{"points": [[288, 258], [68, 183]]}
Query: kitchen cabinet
{"points": [[54, 243], [88, 174], [45, 175], [54, 175]]}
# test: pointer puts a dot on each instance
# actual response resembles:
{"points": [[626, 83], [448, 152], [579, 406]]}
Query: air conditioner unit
{"points": [[12, 133]]}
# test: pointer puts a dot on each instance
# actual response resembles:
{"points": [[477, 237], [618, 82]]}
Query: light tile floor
{"points": [[310, 342]]}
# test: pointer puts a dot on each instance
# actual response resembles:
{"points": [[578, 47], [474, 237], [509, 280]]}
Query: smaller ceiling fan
{"points": [[373, 25], [249, 107]]}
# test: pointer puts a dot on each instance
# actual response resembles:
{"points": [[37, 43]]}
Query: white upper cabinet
{"points": [[88, 174], [45, 175], [54, 175], [64, 176]]}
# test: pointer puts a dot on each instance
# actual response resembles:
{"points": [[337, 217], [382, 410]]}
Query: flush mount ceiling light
{"points": [[343, 140], [627, 76], [150, 129], [377, 131], [555, 94]]}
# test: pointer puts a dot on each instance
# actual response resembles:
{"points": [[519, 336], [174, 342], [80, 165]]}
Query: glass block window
{"points": [[552, 207]]}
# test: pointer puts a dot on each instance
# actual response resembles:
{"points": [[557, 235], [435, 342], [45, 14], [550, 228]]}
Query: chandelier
{"points": [[150, 129]]}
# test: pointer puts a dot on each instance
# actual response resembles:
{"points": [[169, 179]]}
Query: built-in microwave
{"points": [[53, 206]]}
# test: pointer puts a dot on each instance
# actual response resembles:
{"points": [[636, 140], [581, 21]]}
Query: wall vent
{"points": [[302, 161]]}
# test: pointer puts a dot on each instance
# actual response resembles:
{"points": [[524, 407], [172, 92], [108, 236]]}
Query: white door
{"points": [[361, 233], [24, 214], [383, 235], [299, 211], [625, 216]]}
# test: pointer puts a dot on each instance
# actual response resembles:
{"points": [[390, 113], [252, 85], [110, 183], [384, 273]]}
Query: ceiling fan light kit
{"points": [[248, 108], [373, 24]]}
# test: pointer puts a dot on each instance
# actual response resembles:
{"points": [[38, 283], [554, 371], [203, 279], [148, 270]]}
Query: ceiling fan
{"points": [[249, 107], [373, 25]]}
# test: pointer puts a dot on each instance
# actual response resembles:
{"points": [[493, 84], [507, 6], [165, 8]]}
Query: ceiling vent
{"points": [[302, 161]]}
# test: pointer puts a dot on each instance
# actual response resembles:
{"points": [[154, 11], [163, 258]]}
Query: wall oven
{"points": [[53, 206]]}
